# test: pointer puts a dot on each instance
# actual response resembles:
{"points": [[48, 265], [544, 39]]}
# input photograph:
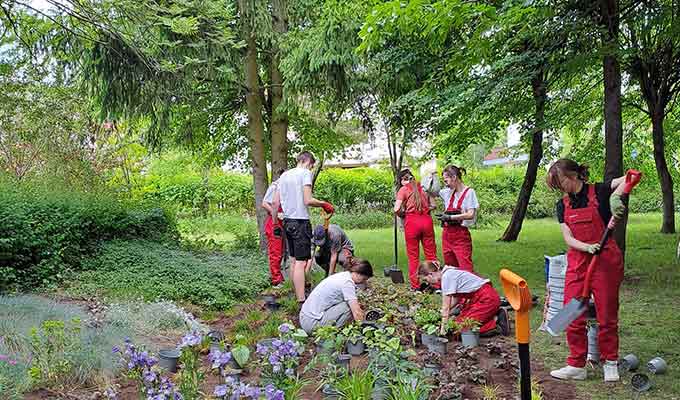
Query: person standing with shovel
{"points": [[274, 235], [584, 214]]}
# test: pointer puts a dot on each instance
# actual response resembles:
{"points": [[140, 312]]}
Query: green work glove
{"points": [[617, 206], [592, 248]]}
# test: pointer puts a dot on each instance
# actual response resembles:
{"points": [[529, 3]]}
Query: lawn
{"points": [[649, 321]]}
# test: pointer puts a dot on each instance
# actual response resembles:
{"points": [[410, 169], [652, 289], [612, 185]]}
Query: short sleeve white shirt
{"points": [[291, 185], [469, 202], [331, 291], [457, 281], [269, 194]]}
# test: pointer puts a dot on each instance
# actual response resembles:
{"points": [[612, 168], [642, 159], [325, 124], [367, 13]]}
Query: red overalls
{"points": [[456, 239], [481, 305], [418, 228], [587, 226], [274, 249]]}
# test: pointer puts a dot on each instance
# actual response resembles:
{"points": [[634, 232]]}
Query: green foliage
{"points": [[51, 344], [355, 386], [151, 270], [47, 232], [191, 375], [356, 188]]}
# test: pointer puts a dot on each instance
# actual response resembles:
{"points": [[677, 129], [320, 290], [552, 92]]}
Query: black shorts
{"points": [[299, 238]]}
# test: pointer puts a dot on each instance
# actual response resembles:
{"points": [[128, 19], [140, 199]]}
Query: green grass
{"points": [[649, 321]]}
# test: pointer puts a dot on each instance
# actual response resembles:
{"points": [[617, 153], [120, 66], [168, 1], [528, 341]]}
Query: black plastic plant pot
{"points": [[657, 366], [343, 361], [629, 362], [266, 342], [640, 383], [361, 286], [233, 373], [427, 340], [329, 392], [215, 336], [438, 345], [386, 271], [402, 309], [356, 348], [273, 306], [167, 359], [374, 315], [432, 369], [469, 338], [381, 389], [269, 298], [324, 347]]}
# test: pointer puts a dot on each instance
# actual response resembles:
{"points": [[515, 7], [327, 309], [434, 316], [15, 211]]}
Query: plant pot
{"points": [[438, 345], [657, 366], [215, 336], [361, 286], [269, 298], [402, 309], [427, 340], [343, 361], [630, 362], [374, 315], [324, 347], [381, 389], [233, 373], [640, 383], [357, 348], [272, 306], [167, 359], [329, 392], [266, 342], [432, 369], [386, 271], [469, 338], [215, 346]]}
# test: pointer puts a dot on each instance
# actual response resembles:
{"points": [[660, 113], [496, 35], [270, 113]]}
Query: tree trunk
{"points": [[256, 132], [279, 124], [668, 224], [536, 154], [318, 168], [613, 125]]}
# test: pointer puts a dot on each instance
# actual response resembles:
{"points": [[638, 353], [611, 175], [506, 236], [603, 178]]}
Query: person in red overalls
{"points": [[461, 206], [583, 214], [414, 204], [478, 298], [274, 235]]}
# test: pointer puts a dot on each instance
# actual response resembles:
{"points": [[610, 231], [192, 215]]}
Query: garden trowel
{"points": [[578, 305]]}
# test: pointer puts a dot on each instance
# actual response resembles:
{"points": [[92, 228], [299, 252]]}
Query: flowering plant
{"points": [[280, 359], [191, 375], [234, 390], [140, 366]]}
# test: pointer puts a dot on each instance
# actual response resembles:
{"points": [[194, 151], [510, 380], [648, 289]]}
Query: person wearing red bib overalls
{"points": [[274, 235], [414, 204], [584, 213], [460, 212]]}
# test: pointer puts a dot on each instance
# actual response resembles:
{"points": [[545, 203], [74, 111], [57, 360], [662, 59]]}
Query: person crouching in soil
{"points": [[334, 300], [477, 299]]}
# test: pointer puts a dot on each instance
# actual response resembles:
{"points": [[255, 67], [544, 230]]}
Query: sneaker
{"points": [[438, 291], [502, 322], [611, 371], [569, 372]]}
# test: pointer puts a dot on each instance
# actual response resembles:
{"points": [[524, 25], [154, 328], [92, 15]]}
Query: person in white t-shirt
{"points": [[460, 211], [334, 300], [295, 196], [477, 298]]}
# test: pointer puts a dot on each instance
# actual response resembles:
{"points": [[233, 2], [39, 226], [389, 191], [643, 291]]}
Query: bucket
{"points": [[438, 346], [629, 362], [167, 359], [329, 392], [470, 338], [640, 383]]}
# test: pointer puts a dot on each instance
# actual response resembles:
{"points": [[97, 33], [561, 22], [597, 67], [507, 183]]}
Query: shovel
{"points": [[578, 305]]}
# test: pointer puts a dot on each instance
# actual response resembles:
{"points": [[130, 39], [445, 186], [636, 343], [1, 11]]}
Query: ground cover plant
{"points": [[153, 270]]}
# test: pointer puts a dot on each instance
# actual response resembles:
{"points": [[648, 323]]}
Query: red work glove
{"points": [[328, 207]]}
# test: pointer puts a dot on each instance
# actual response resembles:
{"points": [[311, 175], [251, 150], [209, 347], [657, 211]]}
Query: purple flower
{"points": [[274, 359], [115, 349], [220, 359], [261, 349], [285, 328], [190, 340], [149, 376], [110, 394], [290, 372], [221, 390]]}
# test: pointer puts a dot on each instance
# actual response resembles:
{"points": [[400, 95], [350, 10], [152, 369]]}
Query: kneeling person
{"points": [[334, 300], [334, 247], [479, 299]]}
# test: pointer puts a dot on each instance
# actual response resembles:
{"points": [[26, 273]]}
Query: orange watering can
{"points": [[518, 295]]}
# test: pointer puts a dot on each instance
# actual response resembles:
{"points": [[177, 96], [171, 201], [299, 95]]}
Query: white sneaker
{"points": [[611, 371], [569, 372]]}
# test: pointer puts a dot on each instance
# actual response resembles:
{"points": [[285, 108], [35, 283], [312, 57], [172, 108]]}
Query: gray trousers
{"points": [[337, 315]]}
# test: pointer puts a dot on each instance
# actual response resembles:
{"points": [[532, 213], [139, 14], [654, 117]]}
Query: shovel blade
{"points": [[574, 309]]}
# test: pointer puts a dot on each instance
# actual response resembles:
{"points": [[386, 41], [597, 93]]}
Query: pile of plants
{"points": [[47, 232], [153, 270]]}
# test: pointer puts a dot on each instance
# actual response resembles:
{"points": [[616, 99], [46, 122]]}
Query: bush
{"points": [[45, 231], [152, 270], [356, 189]]}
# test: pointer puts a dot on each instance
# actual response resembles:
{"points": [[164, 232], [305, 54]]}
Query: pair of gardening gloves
{"points": [[618, 209]]}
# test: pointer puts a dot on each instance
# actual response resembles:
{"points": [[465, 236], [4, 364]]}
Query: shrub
{"points": [[152, 270], [46, 231]]}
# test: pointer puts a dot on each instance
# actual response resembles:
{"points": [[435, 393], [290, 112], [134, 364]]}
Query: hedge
{"points": [[45, 231]]}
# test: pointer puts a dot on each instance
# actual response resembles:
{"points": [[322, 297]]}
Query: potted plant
{"points": [[354, 337], [429, 335], [469, 332], [326, 339], [427, 320]]}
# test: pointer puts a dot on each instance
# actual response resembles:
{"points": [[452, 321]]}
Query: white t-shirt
{"points": [[331, 291], [291, 184], [469, 202], [269, 194], [456, 281]]}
